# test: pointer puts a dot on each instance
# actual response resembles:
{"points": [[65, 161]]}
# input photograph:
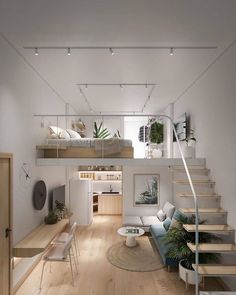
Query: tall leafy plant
{"points": [[100, 132], [177, 239], [157, 133]]}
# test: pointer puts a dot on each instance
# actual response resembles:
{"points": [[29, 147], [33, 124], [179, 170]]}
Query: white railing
{"points": [[195, 202], [156, 117]]}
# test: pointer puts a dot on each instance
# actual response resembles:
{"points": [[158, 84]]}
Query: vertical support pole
{"points": [[169, 131]]}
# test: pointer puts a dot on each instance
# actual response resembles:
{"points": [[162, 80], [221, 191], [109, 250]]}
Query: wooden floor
{"points": [[98, 277]]}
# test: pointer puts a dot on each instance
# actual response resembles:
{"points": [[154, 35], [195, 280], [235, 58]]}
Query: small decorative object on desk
{"points": [[132, 230], [60, 208], [51, 218]]}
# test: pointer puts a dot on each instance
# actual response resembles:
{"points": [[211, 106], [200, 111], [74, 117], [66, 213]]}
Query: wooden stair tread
{"points": [[217, 293], [208, 228], [194, 181], [217, 270], [212, 248], [203, 210], [199, 171], [205, 195], [176, 167]]}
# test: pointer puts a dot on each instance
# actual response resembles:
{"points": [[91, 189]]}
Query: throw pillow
{"points": [[73, 134], [169, 209], [161, 215], [175, 222], [166, 223]]}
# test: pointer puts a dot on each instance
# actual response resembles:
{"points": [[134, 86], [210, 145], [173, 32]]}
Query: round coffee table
{"points": [[130, 236]]}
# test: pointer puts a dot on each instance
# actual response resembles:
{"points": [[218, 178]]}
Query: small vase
{"points": [[157, 153]]}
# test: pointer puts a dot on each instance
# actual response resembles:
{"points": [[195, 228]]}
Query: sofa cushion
{"points": [[169, 209], [132, 220], [157, 230], [149, 220]]}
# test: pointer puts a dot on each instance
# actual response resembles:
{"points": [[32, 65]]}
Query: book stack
{"points": [[132, 230]]}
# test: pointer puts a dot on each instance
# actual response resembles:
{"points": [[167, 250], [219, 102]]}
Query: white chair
{"points": [[59, 253], [63, 237]]}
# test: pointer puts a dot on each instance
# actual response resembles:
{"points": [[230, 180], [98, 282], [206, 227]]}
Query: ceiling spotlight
{"points": [[111, 51], [68, 51], [36, 51], [171, 51]]}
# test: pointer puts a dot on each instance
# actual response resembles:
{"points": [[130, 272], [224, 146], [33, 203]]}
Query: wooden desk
{"points": [[39, 239]]}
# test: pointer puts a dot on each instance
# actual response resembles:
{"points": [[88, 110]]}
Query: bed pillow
{"points": [[73, 134], [57, 132], [161, 215]]}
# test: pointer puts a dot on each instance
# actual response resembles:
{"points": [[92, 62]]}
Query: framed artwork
{"points": [[146, 189]]}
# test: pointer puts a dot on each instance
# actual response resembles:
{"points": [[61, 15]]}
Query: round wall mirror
{"points": [[39, 195]]}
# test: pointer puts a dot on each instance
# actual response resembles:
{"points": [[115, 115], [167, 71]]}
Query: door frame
{"points": [[10, 157]]}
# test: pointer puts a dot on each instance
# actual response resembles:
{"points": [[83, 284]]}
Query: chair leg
{"points": [[76, 248], [71, 269], [75, 251], [75, 261], [76, 243], [41, 279]]}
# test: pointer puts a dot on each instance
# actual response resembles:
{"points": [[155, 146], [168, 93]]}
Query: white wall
{"points": [[211, 103], [166, 193], [131, 131], [22, 94]]}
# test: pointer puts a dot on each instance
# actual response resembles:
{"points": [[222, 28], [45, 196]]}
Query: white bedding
{"points": [[89, 142]]}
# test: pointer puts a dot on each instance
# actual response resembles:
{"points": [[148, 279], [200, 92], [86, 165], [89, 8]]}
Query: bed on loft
{"points": [[86, 148]]}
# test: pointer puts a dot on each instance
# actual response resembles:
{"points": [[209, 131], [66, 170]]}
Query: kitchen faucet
{"points": [[111, 188]]}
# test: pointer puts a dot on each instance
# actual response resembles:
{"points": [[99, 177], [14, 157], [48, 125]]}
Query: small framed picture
{"points": [[146, 189]]}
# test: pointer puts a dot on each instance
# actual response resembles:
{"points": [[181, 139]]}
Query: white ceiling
{"points": [[119, 23]]}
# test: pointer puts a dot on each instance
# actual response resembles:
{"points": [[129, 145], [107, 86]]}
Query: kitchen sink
{"points": [[110, 193]]}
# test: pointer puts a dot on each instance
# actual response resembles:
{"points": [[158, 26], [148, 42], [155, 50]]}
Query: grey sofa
{"points": [[146, 221]]}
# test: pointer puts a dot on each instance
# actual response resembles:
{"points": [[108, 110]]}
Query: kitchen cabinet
{"points": [[110, 204]]}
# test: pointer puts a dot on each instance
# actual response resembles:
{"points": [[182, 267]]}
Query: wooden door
{"points": [[5, 223]]}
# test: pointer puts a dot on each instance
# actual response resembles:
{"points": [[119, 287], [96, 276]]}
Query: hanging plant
{"points": [[157, 133]]}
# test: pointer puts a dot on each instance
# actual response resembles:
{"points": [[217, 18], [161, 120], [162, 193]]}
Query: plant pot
{"points": [[188, 151], [188, 275], [157, 153]]}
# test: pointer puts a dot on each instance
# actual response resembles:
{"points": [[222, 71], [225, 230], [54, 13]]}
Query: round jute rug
{"points": [[140, 258]]}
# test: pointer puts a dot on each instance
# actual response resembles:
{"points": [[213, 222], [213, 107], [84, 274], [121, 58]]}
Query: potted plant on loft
{"points": [[100, 132], [156, 136], [176, 240]]}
